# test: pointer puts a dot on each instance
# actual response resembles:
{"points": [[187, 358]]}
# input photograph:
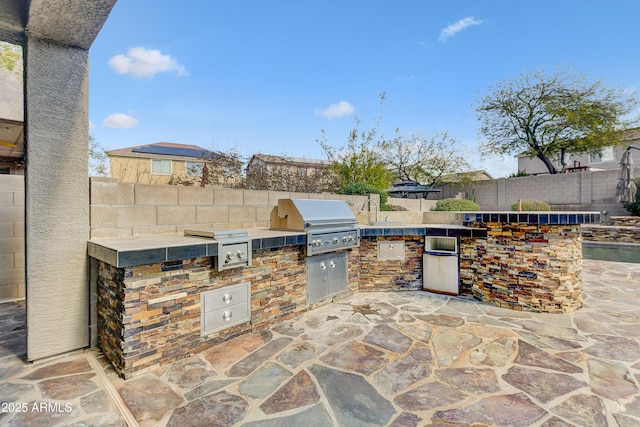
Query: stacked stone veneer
{"points": [[392, 275], [610, 233], [524, 267], [621, 229], [149, 315]]}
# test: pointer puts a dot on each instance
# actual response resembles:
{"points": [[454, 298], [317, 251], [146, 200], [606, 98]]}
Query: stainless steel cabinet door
{"points": [[441, 273], [326, 275]]}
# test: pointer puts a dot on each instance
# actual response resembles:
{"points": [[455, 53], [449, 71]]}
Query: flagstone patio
{"points": [[370, 359]]}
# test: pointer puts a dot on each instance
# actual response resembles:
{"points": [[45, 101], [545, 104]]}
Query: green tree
{"points": [[11, 58], [548, 116], [98, 159], [359, 160], [426, 160]]}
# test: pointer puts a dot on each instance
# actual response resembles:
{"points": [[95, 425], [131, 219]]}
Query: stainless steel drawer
{"points": [[225, 307], [223, 318], [229, 295]]}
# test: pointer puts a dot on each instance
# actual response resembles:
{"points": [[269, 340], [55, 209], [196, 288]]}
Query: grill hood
{"points": [[311, 214]]}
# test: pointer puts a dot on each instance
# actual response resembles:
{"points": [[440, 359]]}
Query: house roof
{"points": [[631, 134], [163, 150], [292, 161]]}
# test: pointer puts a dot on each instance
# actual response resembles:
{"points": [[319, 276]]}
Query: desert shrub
{"points": [[456, 205], [531, 205], [396, 208], [634, 208]]}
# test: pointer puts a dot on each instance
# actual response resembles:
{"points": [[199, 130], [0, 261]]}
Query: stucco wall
{"points": [[11, 237], [57, 198]]}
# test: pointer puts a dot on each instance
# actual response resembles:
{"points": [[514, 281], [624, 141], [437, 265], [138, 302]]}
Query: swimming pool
{"points": [[617, 252]]}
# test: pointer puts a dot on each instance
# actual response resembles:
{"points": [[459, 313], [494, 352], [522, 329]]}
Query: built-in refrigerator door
{"points": [[441, 272]]}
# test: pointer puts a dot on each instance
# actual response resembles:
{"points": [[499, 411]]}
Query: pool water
{"points": [[619, 252]]}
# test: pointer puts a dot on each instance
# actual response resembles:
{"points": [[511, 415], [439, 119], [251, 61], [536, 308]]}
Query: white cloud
{"points": [[334, 111], [144, 63], [121, 121], [454, 29]]}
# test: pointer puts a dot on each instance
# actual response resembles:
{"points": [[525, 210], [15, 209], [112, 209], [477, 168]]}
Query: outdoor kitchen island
{"points": [[150, 288]]}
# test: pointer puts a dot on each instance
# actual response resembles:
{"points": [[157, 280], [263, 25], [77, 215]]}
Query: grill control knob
{"points": [[240, 254], [229, 256], [345, 238], [335, 240]]}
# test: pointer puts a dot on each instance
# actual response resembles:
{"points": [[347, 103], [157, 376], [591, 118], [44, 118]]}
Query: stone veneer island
{"points": [[527, 261], [149, 288]]}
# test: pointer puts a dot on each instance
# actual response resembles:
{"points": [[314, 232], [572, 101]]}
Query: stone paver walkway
{"points": [[370, 359]]}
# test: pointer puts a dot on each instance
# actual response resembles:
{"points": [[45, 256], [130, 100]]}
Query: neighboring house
{"points": [[170, 163], [608, 159], [268, 172]]}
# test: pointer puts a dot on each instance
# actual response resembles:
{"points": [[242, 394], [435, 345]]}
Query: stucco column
{"points": [[56, 197]]}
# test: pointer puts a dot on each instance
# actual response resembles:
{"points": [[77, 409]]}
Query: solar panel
{"points": [[174, 151]]}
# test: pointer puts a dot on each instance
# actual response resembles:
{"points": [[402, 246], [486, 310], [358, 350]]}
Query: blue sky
{"points": [[267, 77]]}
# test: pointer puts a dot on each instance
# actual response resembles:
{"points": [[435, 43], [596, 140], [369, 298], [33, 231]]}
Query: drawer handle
{"points": [[332, 263], [323, 265], [226, 298], [226, 316]]}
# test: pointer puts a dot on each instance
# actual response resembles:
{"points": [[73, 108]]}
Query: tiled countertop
{"points": [[130, 251], [127, 252], [547, 217]]}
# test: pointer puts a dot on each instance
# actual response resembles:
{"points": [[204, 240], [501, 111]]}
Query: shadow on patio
{"points": [[372, 358]]}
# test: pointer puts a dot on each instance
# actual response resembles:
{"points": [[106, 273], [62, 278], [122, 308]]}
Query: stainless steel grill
{"points": [[330, 225]]}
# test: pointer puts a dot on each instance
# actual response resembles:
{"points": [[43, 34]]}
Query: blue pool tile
{"points": [[544, 218], [273, 242], [564, 219], [503, 218], [523, 218], [553, 219], [467, 217], [414, 231], [493, 217], [298, 239], [485, 217], [186, 252], [573, 219], [478, 217], [513, 218], [436, 231], [367, 232], [533, 218], [141, 257], [580, 218]]}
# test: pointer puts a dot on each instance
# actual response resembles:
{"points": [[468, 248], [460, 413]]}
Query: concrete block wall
{"points": [[12, 279], [127, 210], [588, 190]]}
